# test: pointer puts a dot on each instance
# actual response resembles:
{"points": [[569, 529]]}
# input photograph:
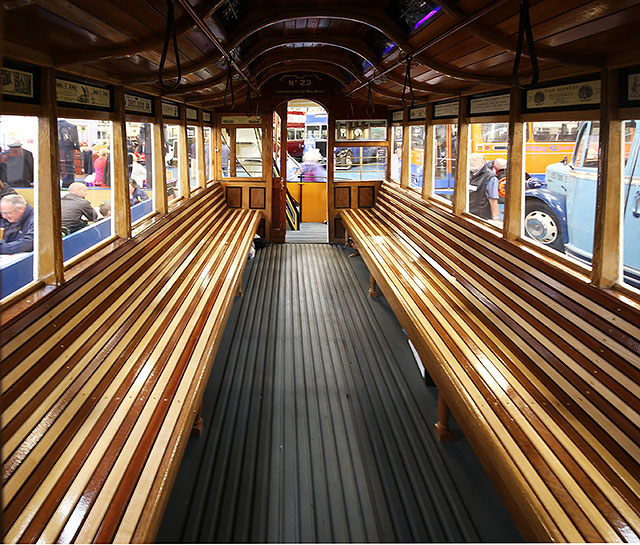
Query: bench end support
{"points": [[372, 287], [443, 433]]}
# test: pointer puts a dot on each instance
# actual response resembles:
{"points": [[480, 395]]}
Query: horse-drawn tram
{"points": [[331, 272]]}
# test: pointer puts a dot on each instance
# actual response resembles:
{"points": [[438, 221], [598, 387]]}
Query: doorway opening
{"points": [[306, 176]]}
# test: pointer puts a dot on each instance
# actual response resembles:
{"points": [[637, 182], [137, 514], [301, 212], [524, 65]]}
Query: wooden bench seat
{"points": [[102, 378], [541, 369]]}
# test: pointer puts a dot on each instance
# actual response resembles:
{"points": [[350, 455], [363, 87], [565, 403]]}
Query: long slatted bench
{"points": [[541, 370], [103, 378]]}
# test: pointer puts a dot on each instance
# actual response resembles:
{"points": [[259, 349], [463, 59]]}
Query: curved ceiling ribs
{"points": [[254, 49], [134, 47]]}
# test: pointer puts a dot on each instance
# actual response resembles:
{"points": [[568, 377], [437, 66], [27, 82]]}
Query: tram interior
{"points": [[334, 272]]}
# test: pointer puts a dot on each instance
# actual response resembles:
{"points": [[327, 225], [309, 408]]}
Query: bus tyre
{"points": [[542, 225]]}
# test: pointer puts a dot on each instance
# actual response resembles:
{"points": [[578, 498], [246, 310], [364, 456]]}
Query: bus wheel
{"points": [[541, 224]]}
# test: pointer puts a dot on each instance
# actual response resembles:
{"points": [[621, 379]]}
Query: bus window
{"points": [[87, 183], [445, 142], [489, 143], [192, 151], [172, 159], [416, 145], [396, 156], [631, 206], [140, 164], [19, 209]]}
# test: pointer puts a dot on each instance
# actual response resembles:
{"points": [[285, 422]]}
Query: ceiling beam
{"points": [[134, 47], [490, 36], [207, 32]]}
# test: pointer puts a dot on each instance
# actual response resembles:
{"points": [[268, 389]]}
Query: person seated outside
{"points": [[99, 167], [312, 170], [483, 189], [17, 224], [77, 211], [500, 166], [105, 209], [136, 195]]}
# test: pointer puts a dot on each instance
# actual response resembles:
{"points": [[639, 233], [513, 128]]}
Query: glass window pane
{"points": [[225, 152], [560, 185], [360, 163], [207, 152], [489, 142], [140, 164], [396, 156], [249, 153], [192, 149], [631, 205], [86, 169], [172, 159], [444, 159], [18, 207], [358, 130], [416, 143]]}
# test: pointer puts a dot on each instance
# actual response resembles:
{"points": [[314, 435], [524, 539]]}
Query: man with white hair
{"points": [[17, 225], [77, 211], [483, 189]]}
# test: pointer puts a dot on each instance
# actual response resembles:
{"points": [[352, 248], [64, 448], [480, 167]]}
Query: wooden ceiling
{"points": [[464, 46]]}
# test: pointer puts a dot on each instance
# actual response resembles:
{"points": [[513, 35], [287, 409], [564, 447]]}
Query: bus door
{"points": [[581, 188], [631, 195]]}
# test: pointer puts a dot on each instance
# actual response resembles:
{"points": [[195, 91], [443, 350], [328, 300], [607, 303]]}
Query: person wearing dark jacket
{"points": [[17, 225], [77, 211], [4, 188], [483, 189]]}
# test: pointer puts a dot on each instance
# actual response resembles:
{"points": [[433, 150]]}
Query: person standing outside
{"points": [[99, 166], [483, 189], [77, 211], [16, 224]]}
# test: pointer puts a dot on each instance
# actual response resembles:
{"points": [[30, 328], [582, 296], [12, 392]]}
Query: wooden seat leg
{"points": [[442, 425], [239, 291], [372, 286], [196, 430]]}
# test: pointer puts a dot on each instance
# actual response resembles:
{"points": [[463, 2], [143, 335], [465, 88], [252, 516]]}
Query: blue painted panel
{"points": [[82, 240], [16, 275], [141, 209]]}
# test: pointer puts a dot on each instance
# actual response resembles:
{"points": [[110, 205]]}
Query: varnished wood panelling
{"points": [[234, 196], [339, 228], [342, 197], [366, 196], [257, 197]]}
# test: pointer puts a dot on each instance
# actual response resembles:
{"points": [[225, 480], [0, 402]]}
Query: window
{"points": [[19, 209], [560, 186], [631, 205], [445, 141], [207, 152], [86, 170], [487, 160], [372, 130], [241, 154], [192, 150], [416, 144], [140, 164], [360, 163], [172, 159], [396, 155]]}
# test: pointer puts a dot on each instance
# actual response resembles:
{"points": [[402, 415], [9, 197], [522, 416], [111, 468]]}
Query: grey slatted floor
{"points": [[318, 425], [309, 233]]}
